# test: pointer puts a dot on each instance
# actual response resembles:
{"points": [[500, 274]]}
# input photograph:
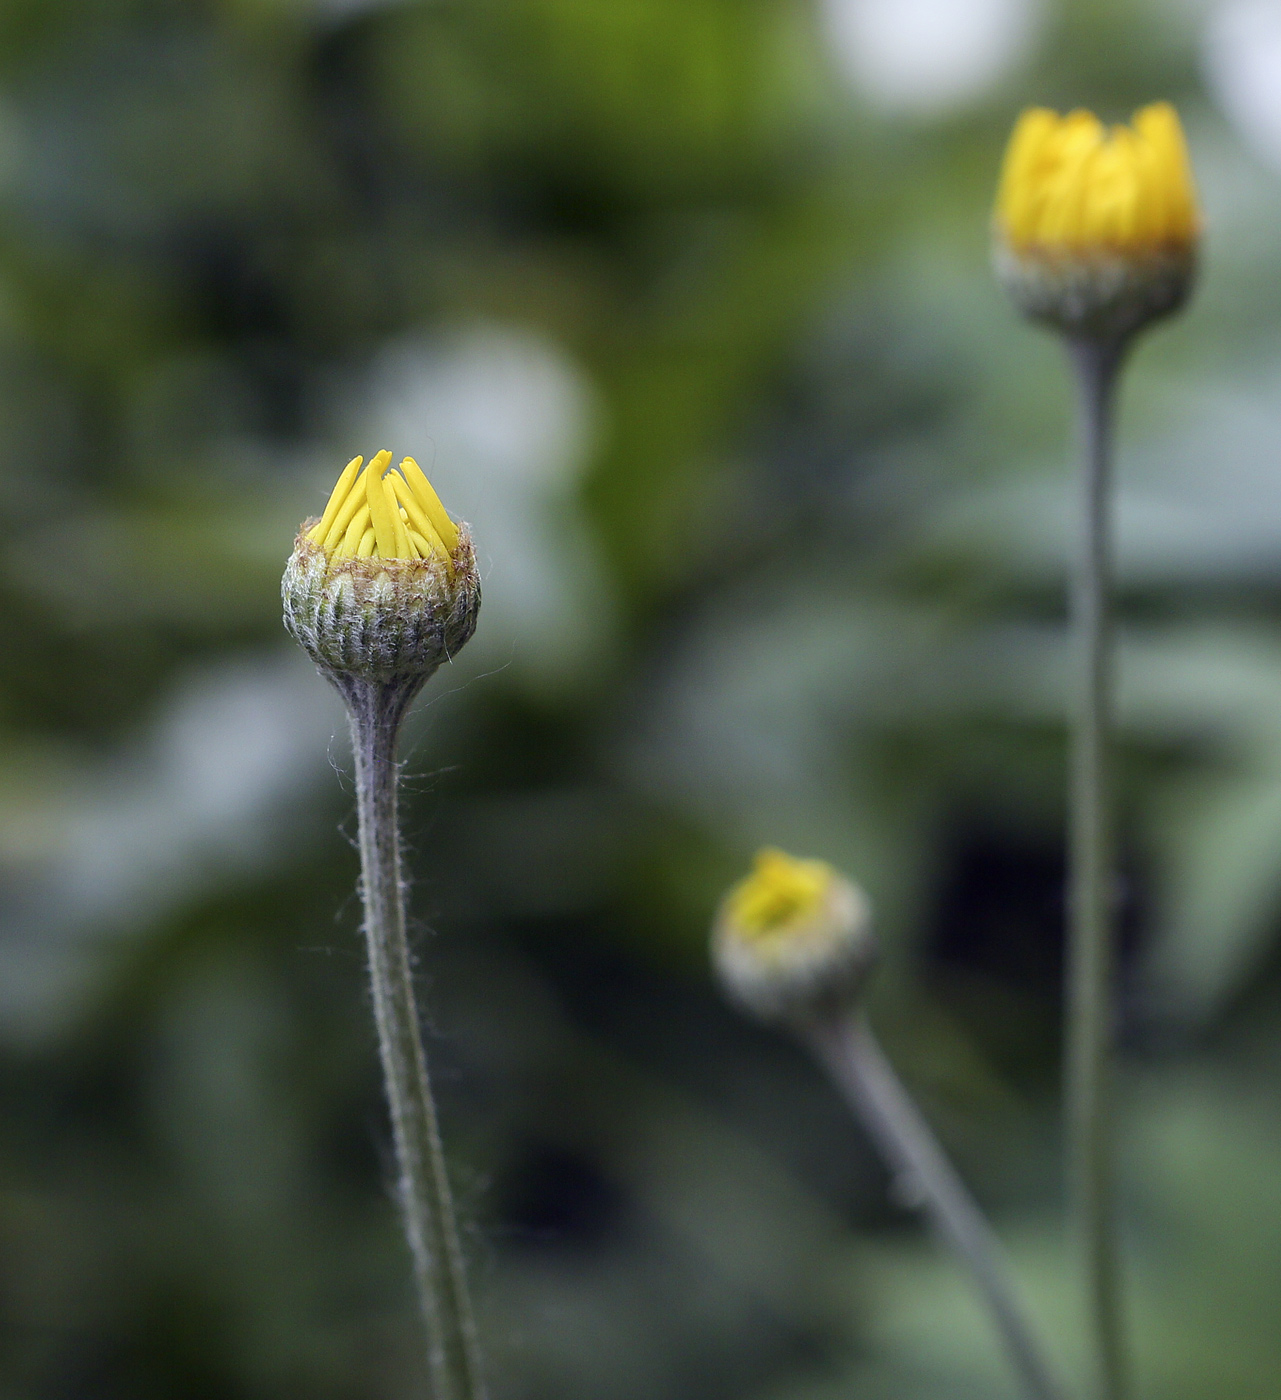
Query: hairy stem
{"points": [[1091, 934], [426, 1203], [846, 1046]]}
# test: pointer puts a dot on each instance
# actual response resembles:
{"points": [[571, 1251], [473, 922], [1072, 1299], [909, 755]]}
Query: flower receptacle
{"points": [[381, 619]]}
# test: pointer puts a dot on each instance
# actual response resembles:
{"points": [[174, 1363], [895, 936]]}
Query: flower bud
{"points": [[1096, 231], [794, 939], [383, 587]]}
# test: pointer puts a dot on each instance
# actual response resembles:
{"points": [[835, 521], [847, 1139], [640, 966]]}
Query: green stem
{"points": [[426, 1203], [846, 1046], [1091, 998]]}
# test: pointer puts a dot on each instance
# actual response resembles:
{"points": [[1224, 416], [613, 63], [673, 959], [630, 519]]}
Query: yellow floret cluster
{"points": [[1071, 185], [781, 893], [381, 514]]}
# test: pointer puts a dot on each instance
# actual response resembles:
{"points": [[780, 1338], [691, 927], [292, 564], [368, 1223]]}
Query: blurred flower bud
{"points": [[794, 939], [1096, 231], [383, 587]]}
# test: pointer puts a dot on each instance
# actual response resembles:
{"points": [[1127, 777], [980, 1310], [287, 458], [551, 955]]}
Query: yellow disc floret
{"points": [[781, 894], [1072, 186], [385, 514]]}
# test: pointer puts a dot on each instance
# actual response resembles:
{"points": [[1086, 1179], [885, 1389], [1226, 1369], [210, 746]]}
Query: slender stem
{"points": [[426, 1203], [1092, 880], [846, 1046]]}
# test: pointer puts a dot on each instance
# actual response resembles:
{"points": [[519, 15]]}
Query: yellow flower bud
{"points": [[383, 586], [794, 939], [1096, 230]]}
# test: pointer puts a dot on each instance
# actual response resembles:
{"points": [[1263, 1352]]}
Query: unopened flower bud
{"points": [[1096, 231], [383, 587], [794, 939]]}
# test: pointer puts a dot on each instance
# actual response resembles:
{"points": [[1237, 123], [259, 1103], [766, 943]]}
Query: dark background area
{"points": [[685, 306]]}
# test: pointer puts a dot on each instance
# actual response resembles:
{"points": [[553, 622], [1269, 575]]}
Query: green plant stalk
{"points": [[376, 710], [1092, 880], [846, 1046]]}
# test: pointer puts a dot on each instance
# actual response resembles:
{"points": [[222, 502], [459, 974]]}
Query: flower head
{"points": [[792, 938], [383, 586], [1095, 230]]}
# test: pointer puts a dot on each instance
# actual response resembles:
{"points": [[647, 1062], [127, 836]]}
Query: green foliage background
{"points": [[774, 500]]}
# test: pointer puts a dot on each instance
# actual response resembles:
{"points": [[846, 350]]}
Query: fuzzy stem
{"points": [[453, 1354], [847, 1047], [1091, 936]]}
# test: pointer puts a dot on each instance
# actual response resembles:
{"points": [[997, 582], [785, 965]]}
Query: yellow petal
{"points": [[1067, 183], [356, 527], [336, 498], [355, 499], [418, 518], [403, 550], [1014, 200], [1159, 125], [430, 502], [381, 512]]}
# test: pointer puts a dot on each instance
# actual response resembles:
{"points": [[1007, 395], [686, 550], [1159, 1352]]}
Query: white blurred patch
{"points": [[215, 791], [929, 57], [1241, 56], [501, 420]]}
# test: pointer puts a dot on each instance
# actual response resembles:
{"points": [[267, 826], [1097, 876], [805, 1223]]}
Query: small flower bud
{"points": [[1096, 231], [794, 939], [383, 587]]}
